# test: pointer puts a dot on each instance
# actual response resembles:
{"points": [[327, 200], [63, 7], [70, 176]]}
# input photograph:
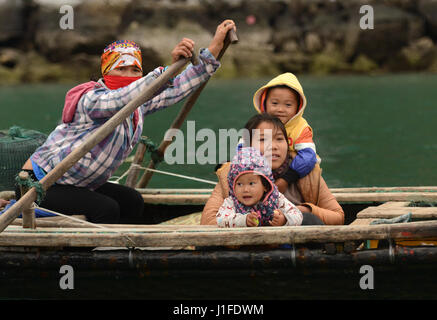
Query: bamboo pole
{"points": [[65, 224], [174, 191], [394, 204], [100, 134], [202, 197], [216, 236], [386, 196], [385, 189], [199, 199], [28, 214], [231, 37], [416, 212], [338, 191], [373, 190], [134, 170]]}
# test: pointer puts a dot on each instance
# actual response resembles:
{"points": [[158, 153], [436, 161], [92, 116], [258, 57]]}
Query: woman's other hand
{"points": [[217, 42], [184, 49], [3, 203], [278, 219]]}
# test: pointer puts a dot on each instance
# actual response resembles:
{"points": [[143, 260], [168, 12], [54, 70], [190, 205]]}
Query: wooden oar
{"points": [[131, 179], [27, 199], [231, 37]]}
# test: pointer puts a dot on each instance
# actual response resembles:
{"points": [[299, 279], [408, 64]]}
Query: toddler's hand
{"points": [[252, 219], [183, 49], [278, 219]]}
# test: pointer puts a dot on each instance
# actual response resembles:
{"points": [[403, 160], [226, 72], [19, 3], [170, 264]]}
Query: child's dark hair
{"points": [[257, 119], [283, 86], [266, 184]]}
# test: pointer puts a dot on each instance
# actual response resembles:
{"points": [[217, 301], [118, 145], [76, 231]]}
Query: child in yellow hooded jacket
{"points": [[283, 97]]}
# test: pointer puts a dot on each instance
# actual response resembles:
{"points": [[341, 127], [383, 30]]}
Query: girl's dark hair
{"points": [[257, 119], [266, 184]]}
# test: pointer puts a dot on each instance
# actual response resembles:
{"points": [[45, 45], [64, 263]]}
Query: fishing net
{"points": [[16, 146]]}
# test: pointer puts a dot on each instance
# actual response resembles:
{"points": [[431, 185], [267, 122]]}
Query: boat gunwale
{"points": [[166, 237]]}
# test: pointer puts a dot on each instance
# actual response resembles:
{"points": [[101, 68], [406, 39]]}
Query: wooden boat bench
{"points": [[394, 209], [53, 222]]}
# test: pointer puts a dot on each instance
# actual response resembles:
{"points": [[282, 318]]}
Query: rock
{"points": [[312, 42], [34, 68], [363, 64], [10, 76], [294, 62], [275, 36], [419, 55], [11, 20], [9, 57], [282, 40], [37, 69], [291, 46], [10, 60], [406, 5], [287, 28], [96, 24], [393, 29], [60, 45], [428, 9], [254, 63], [433, 66], [351, 39], [323, 63], [329, 61], [151, 38]]}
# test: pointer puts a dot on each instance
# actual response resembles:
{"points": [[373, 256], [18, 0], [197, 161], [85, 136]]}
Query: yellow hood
{"points": [[287, 79]]}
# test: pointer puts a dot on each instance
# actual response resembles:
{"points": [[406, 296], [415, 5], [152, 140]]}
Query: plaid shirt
{"points": [[98, 105]]}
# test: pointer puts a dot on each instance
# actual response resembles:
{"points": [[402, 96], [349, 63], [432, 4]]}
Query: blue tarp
{"points": [[39, 213]]}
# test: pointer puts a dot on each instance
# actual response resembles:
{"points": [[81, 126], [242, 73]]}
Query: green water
{"points": [[369, 130]]}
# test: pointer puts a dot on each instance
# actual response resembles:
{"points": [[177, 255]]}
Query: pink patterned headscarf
{"points": [[250, 160]]}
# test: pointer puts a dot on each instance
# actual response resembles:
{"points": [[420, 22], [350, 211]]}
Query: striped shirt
{"points": [[98, 105]]}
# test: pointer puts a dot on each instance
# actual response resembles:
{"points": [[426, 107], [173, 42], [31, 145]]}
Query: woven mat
{"points": [[189, 219]]}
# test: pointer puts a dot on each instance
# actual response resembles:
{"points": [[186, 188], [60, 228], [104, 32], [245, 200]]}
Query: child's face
{"points": [[272, 144], [282, 103], [249, 189], [128, 71]]}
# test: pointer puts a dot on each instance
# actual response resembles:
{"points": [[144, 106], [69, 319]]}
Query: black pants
{"points": [[310, 219], [111, 203]]}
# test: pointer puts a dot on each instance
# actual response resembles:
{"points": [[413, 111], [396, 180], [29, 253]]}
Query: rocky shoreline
{"points": [[312, 36]]}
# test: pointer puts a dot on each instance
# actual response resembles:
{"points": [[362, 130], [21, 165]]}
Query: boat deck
{"points": [[382, 203], [288, 262]]}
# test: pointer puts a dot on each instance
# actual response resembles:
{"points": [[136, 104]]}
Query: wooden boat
{"points": [[178, 250], [181, 259]]}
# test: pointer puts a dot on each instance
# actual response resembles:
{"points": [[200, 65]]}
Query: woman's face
{"points": [[270, 141]]}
